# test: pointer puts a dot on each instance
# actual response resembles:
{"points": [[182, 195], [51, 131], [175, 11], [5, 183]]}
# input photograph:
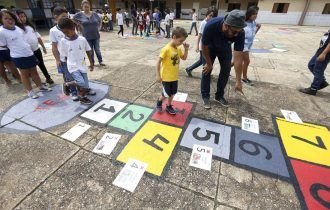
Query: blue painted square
{"points": [[259, 151]]}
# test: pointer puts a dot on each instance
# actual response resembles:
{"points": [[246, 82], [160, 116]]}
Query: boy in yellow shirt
{"points": [[168, 67]]}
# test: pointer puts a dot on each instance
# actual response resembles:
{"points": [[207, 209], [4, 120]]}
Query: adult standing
{"points": [[89, 24], [219, 34]]}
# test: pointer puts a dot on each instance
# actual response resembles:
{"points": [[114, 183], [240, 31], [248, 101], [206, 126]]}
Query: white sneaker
{"points": [[32, 94], [45, 88], [74, 98]]}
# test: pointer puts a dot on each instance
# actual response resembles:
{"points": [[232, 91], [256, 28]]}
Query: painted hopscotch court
{"points": [[300, 154]]}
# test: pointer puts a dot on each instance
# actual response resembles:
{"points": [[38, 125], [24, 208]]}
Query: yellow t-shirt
{"points": [[170, 63]]}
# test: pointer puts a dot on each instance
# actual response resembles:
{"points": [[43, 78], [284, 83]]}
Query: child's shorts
{"points": [[5, 55], [26, 62], [170, 88], [80, 78]]}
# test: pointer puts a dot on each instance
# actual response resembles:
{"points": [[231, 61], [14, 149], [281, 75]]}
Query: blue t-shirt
{"points": [[216, 40], [90, 25]]}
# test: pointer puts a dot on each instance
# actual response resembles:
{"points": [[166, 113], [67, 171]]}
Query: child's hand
{"points": [[58, 63], [91, 67], [158, 79], [186, 46], [197, 49]]}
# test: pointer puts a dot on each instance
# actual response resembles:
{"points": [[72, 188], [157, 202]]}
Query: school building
{"points": [[293, 12]]}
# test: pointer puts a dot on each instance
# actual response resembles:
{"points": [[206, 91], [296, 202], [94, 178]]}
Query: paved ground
{"points": [[44, 171]]}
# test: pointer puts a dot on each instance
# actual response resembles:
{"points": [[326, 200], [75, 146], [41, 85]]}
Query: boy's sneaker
{"points": [[247, 81], [159, 105], [102, 64], [309, 91], [74, 98], [49, 81], [170, 110], [188, 72], [32, 94], [44, 88], [206, 103], [324, 85], [222, 101], [85, 101], [91, 92], [65, 89]]}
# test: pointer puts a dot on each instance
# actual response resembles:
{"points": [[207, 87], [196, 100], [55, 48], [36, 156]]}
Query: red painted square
{"points": [[184, 109], [314, 183]]}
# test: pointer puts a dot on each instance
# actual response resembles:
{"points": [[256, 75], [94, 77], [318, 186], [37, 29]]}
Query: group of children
{"points": [[19, 47], [145, 21]]}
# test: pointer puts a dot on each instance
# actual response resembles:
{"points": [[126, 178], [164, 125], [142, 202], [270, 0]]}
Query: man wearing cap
{"points": [[219, 34]]}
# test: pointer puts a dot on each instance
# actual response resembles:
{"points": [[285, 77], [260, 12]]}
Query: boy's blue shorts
{"points": [[63, 69], [80, 78]]}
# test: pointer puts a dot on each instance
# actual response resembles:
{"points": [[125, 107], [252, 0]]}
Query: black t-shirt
{"points": [[324, 42], [216, 40]]}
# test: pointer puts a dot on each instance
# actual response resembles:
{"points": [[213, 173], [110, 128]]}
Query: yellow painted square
{"points": [[302, 150], [156, 159]]}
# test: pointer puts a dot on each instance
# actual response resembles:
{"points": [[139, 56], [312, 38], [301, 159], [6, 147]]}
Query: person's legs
{"points": [[168, 31], [191, 27], [195, 25], [91, 44], [12, 68], [25, 76], [67, 79], [225, 66], [318, 72], [3, 73], [245, 64], [35, 76], [97, 50], [311, 64], [198, 63], [41, 65], [206, 82]]}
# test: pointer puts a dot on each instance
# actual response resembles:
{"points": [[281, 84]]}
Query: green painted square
{"points": [[131, 118]]}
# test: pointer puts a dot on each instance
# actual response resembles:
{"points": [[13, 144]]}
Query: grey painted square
{"points": [[210, 134], [250, 151]]}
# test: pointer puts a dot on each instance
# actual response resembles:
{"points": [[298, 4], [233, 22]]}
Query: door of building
{"points": [[178, 10]]}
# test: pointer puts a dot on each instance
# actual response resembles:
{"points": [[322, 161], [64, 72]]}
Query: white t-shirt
{"points": [[31, 36], [194, 17], [167, 19], [172, 16], [120, 19], [201, 30], [55, 36], [109, 16], [75, 52], [15, 42]]}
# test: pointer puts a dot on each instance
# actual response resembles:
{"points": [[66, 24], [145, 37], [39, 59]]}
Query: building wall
{"points": [[314, 15]]}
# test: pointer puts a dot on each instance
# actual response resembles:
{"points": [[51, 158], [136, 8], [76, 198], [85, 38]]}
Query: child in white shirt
{"points": [[74, 48], [120, 20], [171, 18], [167, 23], [12, 38], [55, 36], [194, 22], [34, 39]]}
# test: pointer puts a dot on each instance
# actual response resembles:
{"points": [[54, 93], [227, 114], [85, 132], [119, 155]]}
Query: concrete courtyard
{"points": [[44, 171]]}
